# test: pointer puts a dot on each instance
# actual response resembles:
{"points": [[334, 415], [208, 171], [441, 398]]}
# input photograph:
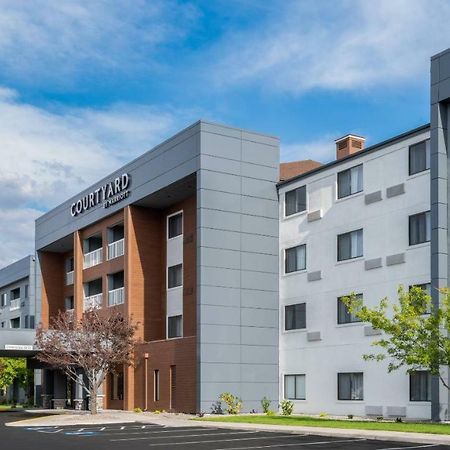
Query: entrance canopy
{"points": [[17, 343]]}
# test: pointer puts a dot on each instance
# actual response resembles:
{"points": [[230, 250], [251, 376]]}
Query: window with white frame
{"points": [[419, 228], [174, 326], [174, 276], [344, 315], [351, 386], [350, 245], [295, 316], [295, 201], [419, 157], [420, 386], [295, 259], [3, 299], [350, 181], [294, 387], [175, 225]]}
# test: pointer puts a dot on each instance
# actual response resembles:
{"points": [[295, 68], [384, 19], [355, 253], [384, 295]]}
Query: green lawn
{"points": [[305, 421]]}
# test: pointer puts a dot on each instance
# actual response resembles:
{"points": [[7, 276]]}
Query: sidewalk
{"points": [[63, 418]]}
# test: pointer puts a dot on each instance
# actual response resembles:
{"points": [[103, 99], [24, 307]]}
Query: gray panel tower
{"points": [[237, 266], [440, 97]]}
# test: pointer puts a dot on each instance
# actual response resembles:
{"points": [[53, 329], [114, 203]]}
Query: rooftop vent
{"points": [[349, 144]]}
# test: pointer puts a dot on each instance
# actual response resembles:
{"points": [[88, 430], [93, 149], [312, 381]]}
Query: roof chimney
{"points": [[348, 145]]}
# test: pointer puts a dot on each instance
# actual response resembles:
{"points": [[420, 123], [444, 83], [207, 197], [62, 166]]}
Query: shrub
{"points": [[323, 415], [287, 407], [270, 412], [233, 403], [137, 410], [265, 403], [379, 417], [398, 419], [216, 408], [350, 416]]}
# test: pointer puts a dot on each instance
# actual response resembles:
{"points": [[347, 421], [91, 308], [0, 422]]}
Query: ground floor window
{"points": [[350, 386], [294, 387], [419, 386], [156, 385], [116, 386]]}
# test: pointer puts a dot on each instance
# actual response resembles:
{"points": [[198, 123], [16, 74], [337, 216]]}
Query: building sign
{"points": [[107, 195], [18, 347]]}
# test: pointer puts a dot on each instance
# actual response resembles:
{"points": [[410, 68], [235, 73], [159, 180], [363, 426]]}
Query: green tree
{"points": [[14, 369], [416, 333]]}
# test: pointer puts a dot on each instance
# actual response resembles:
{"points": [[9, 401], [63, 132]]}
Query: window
{"points": [[295, 201], [156, 385], [69, 303], [343, 314], [419, 386], [3, 299], [15, 294], [350, 245], [419, 228], [174, 325], [3, 324], [295, 316], [419, 157], [350, 181], [116, 386], [15, 323], [175, 276], [294, 387], [31, 324], [26, 291], [350, 386], [295, 259], [175, 225]]}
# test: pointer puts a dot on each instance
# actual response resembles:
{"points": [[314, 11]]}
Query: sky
{"points": [[87, 85]]}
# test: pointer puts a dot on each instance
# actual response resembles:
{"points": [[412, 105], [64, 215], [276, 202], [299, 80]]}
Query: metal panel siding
{"points": [[252, 257], [15, 271]]}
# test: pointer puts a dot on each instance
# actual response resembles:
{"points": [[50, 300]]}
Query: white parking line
{"points": [[140, 433], [403, 448], [206, 441], [183, 435], [290, 445]]}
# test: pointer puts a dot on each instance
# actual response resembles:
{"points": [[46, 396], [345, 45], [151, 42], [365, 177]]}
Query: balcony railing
{"points": [[93, 301], [116, 296], [116, 249], [14, 304], [69, 278], [93, 258]]}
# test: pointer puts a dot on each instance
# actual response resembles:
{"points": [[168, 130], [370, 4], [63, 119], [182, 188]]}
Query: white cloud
{"points": [[47, 156], [57, 39], [351, 44]]}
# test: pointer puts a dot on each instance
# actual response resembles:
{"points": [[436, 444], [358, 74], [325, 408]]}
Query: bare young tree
{"points": [[99, 343]]}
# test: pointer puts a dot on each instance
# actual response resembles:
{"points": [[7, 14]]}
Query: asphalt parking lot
{"points": [[148, 436]]}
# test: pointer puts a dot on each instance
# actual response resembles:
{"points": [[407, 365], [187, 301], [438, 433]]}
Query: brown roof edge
{"points": [[292, 169]]}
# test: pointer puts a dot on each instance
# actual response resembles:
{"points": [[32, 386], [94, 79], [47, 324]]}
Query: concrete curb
{"points": [[396, 436]]}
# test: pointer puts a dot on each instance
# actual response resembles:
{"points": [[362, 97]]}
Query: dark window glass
{"points": [[295, 201], [350, 181], [419, 228], [175, 225], [295, 316], [32, 325], [3, 299], [343, 314], [174, 326], [350, 386], [419, 157], [350, 245], [175, 276], [156, 385], [419, 386], [26, 290], [294, 387], [15, 323], [295, 259]]}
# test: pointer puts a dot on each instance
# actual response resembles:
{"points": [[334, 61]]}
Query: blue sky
{"points": [[87, 85]]}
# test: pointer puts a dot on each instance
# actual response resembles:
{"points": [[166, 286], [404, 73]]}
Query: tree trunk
{"points": [[93, 401]]}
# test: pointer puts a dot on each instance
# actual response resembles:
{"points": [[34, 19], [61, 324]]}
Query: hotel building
{"points": [[184, 241]]}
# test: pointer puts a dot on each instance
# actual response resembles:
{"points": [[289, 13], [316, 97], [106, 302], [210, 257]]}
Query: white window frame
{"points": [[299, 213], [181, 211], [354, 193], [182, 327], [167, 277]]}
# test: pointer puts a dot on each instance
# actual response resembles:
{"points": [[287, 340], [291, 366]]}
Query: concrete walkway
{"points": [[180, 420]]}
